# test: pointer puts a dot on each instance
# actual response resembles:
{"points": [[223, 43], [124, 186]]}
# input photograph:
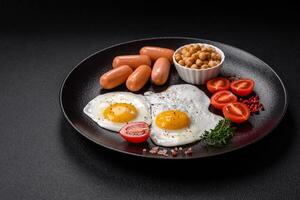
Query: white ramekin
{"points": [[198, 76]]}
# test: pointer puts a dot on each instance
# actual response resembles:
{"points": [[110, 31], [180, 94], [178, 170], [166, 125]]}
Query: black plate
{"points": [[81, 85]]}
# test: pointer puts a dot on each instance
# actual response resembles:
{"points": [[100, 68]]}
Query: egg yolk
{"points": [[172, 120], [120, 112]]}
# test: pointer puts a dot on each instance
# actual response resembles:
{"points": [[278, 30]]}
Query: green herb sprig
{"points": [[220, 135]]}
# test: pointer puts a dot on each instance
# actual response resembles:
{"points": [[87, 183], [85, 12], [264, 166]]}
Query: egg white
{"points": [[95, 108], [186, 98]]}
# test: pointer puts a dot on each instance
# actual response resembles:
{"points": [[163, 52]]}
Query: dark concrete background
{"points": [[42, 157]]}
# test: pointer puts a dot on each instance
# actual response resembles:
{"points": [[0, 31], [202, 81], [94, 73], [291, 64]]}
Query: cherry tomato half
{"points": [[221, 98], [236, 112], [135, 132], [242, 87], [217, 84]]}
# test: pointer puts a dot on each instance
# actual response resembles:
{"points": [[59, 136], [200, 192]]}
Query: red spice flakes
{"points": [[253, 104], [174, 153], [158, 151], [189, 151], [163, 152], [154, 150]]}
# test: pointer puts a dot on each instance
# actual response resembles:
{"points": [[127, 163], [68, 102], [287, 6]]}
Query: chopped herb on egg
{"points": [[220, 135]]}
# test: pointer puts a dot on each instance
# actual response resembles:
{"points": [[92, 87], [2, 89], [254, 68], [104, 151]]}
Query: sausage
{"points": [[157, 52], [134, 61], [138, 78], [115, 77], [160, 71]]}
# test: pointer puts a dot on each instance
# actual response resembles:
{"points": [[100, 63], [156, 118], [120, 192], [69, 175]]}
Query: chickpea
{"points": [[184, 50], [188, 63], [205, 66], [212, 63], [184, 58], [187, 54], [181, 62], [194, 56], [207, 55], [194, 66], [213, 56], [187, 60], [217, 57], [191, 50], [209, 48], [202, 55], [177, 57], [199, 62], [197, 47], [204, 49], [192, 60]]}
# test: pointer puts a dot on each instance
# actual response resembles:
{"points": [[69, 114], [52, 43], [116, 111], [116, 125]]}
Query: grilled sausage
{"points": [[157, 52], [138, 78], [134, 61], [115, 77], [160, 71]]}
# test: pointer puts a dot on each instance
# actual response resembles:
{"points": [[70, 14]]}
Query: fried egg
{"points": [[113, 110], [180, 115]]}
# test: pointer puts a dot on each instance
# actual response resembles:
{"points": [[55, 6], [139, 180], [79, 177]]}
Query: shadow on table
{"points": [[257, 158]]}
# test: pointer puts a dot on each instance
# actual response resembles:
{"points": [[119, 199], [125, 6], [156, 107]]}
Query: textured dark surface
{"points": [[82, 85], [42, 157]]}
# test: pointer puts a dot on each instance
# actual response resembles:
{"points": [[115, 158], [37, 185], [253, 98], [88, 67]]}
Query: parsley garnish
{"points": [[220, 135]]}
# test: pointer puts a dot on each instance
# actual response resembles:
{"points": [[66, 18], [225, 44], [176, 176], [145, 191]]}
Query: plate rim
{"points": [[286, 99]]}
